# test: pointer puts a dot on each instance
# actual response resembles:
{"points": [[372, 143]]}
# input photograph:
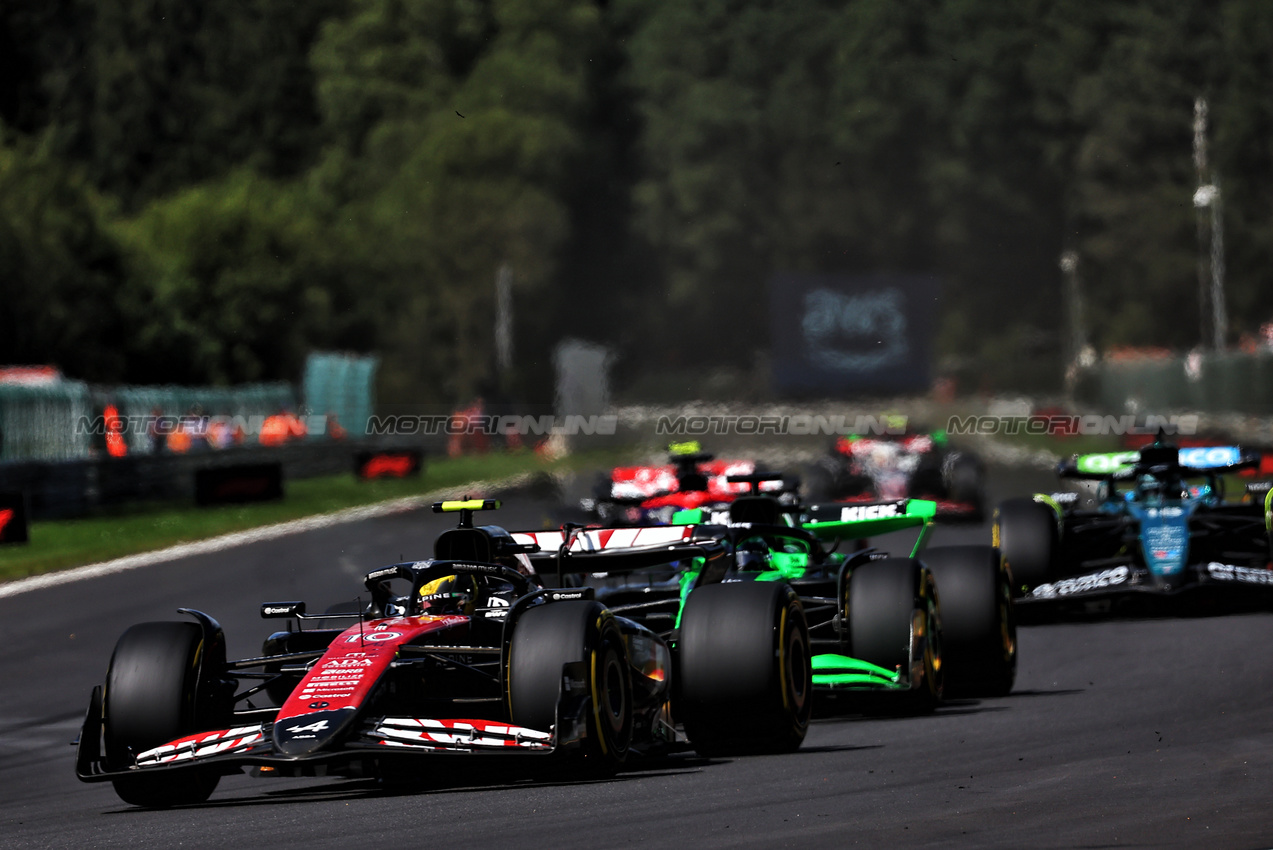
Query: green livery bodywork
{"points": [[793, 561], [841, 671]]}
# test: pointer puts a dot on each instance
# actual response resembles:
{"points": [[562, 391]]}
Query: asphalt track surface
{"points": [[1132, 733]]}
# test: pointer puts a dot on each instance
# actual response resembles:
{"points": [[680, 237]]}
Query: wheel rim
{"points": [[610, 699], [794, 671], [1007, 623], [614, 693], [797, 669], [932, 646]]}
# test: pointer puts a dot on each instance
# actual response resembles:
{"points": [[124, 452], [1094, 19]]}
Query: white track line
{"points": [[252, 535]]}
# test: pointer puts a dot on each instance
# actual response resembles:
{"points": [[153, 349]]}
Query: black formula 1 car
{"points": [[1157, 534], [915, 465], [896, 632], [461, 654]]}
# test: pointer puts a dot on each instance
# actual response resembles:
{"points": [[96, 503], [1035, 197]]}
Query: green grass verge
{"points": [[59, 544]]}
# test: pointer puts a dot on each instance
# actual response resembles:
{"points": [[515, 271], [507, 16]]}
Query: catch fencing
{"points": [[1215, 383], [72, 447]]}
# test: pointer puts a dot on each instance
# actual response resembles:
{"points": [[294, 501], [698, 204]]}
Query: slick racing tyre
{"points": [[894, 621], [1026, 533], [928, 479], [966, 483], [149, 700], [979, 630], [745, 671], [581, 633]]}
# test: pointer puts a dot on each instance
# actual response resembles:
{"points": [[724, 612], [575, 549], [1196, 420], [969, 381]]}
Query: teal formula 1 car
{"points": [[936, 621], [1152, 533]]}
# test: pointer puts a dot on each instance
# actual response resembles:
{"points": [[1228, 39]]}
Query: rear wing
{"points": [[596, 540], [757, 481], [1199, 460], [855, 521], [574, 551]]}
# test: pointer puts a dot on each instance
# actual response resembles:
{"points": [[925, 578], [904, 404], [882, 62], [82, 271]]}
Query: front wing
{"points": [[841, 673], [229, 750]]}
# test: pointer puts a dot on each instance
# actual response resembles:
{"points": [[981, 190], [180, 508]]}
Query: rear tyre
{"points": [[967, 484], [149, 700], [965, 481], [583, 633], [746, 675], [894, 623], [1026, 533], [979, 628]]}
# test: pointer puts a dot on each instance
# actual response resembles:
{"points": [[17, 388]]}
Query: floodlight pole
{"points": [[504, 321], [1219, 313], [1207, 197], [1200, 165], [1074, 296]]}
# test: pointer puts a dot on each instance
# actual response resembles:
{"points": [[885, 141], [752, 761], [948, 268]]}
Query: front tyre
{"points": [[1026, 533], [894, 622], [745, 670], [979, 629], [581, 633], [149, 700]]}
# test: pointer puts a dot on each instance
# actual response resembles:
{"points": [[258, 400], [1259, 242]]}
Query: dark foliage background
{"points": [[202, 193]]}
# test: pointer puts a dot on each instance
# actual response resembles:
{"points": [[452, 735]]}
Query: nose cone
{"points": [[309, 733], [1164, 538]]}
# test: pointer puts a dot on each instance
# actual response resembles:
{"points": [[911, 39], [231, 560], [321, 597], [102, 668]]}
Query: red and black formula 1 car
{"points": [[912, 465], [691, 479], [462, 654]]}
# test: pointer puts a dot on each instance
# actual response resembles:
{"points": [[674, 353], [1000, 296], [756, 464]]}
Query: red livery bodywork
{"points": [[354, 662]]}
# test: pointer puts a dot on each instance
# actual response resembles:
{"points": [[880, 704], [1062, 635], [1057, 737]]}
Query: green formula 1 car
{"points": [[936, 621]]}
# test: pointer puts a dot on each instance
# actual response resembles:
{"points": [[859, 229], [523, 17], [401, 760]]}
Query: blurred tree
{"points": [[155, 95], [363, 168], [455, 143], [236, 281], [63, 294], [973, 139], [1242, 112], [1133, 175], [42, 43], [739, 168], [395, 59], [999, 208]]}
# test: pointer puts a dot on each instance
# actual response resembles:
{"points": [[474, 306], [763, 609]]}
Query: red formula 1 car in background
{"points": [[912, 465], [691, 479]]}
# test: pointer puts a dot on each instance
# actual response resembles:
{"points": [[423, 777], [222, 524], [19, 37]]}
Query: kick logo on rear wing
{"points": [[857, 512]]}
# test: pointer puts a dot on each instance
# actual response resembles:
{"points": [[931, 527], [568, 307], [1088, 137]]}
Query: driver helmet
{"points": [[752, 556], [448, 595], [1150, 487], [517, 561]]}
